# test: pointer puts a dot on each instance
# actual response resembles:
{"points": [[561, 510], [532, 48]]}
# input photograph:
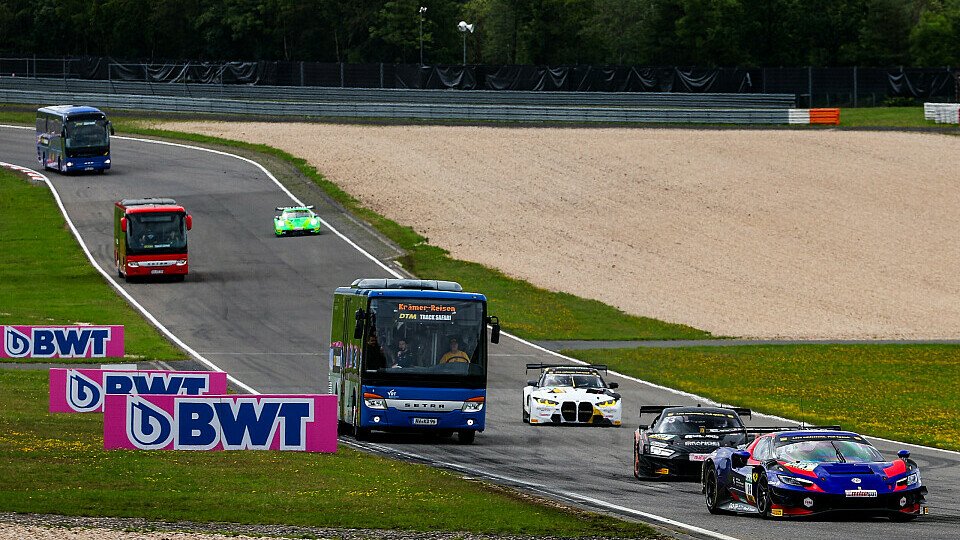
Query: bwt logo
{"points": [[53, 342], [204, 424], [86, 395]]}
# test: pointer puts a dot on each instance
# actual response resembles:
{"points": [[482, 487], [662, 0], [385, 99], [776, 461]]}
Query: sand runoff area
{"points": [[754, 233]]}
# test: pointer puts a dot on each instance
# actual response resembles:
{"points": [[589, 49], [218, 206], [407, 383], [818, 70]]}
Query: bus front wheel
{"points": [[466, 436]]}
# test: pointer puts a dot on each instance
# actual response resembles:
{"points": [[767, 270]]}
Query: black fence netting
{"points": [[849, 86]]}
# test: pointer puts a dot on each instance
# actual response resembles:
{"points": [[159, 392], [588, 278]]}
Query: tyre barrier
{"points": [[942, 113], [428, 111]]}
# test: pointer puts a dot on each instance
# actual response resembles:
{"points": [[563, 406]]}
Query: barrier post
{"points": [[301, 73], [810, 87], [341, 75]]}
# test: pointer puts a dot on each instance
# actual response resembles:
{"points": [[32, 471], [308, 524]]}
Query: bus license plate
{"points": [[156, 271], [424, 421]]}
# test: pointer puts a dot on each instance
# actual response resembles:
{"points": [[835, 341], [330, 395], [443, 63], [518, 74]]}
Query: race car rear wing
{"points": [[282, 208], [657, 409], [598, 367]]}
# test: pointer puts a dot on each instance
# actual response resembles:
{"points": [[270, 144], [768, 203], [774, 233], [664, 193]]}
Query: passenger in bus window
{"points": [[375, 358], [454, 354], [404, 356]]}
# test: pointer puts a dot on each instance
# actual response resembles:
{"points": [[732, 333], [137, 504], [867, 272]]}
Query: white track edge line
{"points": [[571, 495], [149, 316]]}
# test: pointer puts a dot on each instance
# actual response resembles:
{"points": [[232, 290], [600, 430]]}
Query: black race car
{"points": [[680, 439]]}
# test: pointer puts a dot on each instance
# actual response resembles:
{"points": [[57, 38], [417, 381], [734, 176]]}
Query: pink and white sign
{"points": [[305, 423], [83, 390], [77, 341]]}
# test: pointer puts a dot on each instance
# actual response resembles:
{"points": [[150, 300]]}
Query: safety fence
{"points": [[810, 86], [409, 96], [418, 111], [942, 113]]}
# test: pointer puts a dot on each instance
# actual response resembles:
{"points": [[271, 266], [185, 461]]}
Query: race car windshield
{"points": [[686, 424], [295, 215], [425, 338], [156, 232], [575, 381], [825, 451]]}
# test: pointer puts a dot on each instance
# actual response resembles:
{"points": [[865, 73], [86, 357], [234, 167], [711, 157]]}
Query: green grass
{"points": [[894, 117], [55, 463], [46, 279], [906, 392]]}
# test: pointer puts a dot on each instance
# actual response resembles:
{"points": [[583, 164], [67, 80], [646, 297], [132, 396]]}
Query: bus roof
{"points": [[67, 110], [412, 293], [152, 204]]}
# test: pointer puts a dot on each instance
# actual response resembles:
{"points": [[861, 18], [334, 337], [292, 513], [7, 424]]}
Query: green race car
{"points": [[296, 220]]}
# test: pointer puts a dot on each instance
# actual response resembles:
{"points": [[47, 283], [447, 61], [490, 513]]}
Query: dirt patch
{"points": [[754, 233]]}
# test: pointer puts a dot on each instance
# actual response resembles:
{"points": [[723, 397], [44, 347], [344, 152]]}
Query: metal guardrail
{"points": [[408, 96], [515, 113]]}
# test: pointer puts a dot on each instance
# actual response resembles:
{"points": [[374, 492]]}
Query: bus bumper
{"points": [[391, 419], [99, 163]]}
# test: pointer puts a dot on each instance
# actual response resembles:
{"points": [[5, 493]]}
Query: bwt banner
{"points": [[306, 423], [82, 390], [62, 342]]}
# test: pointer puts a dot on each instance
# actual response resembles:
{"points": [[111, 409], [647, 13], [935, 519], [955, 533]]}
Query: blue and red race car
{"points": [[807, 472]]}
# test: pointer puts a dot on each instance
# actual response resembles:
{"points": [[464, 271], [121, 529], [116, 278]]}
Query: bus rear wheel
{"points": [[466, 436]]}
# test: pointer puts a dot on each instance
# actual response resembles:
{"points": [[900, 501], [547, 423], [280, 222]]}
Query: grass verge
{"points": [[56, 464], [46, 279], [909, 393], [892, 117]]}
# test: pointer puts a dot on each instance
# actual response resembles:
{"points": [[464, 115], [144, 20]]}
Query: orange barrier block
{"points": [[825, 116]]}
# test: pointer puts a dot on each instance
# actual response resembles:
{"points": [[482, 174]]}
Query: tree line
{"points": [[749, 33]]}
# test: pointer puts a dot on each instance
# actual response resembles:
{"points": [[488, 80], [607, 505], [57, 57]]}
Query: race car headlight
{"points": [[314, 222], [545, 401], [793, 481], [374, 401], [608, 403], [910, 480], [473, 405], [658, 450]]}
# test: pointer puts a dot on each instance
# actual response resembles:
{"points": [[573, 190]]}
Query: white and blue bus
{"points": [[410, 355], [73, 138]]}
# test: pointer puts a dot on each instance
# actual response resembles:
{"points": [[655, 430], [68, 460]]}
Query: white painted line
{"points": [[106, 275]]}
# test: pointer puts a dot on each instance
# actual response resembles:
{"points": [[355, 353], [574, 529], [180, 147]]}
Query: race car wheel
{"points": [[764, 503], [466, 436], [526, 415], [711, 492]]}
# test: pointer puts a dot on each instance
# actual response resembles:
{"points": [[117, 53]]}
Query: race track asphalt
{"points": [[258, 307]]}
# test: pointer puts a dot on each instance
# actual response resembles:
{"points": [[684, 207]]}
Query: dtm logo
{"points": [[209, 423], [83, 390], [62, 341]]}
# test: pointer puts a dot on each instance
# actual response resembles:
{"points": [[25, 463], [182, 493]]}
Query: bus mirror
{"points": [[360, 316], [494, 329], [189, 222], [123, 224]]}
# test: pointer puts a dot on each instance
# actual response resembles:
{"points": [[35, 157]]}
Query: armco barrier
{"points": [[407, 96], [942, 113], [514, 113]]}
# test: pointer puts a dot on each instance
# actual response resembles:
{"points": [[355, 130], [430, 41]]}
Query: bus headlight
{"points": [[69, 164], [107, 161], [181, 262], [132, 264], [473, 404], [374, 401]]}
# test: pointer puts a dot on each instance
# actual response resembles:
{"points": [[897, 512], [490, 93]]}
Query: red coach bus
{"points": [[150, 238]]}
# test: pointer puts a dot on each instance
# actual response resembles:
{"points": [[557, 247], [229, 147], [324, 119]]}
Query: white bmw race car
{"points": [[567, 394]]}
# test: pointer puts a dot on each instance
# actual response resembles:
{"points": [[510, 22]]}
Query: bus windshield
{"points": [[425, 338], [156, 232], [87, 133]]}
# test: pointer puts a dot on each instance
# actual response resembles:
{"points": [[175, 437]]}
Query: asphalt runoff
{"points": [[259, 307]]}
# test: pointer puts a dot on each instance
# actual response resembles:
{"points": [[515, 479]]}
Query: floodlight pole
{"points": [[464, 48], [422, 11]]}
